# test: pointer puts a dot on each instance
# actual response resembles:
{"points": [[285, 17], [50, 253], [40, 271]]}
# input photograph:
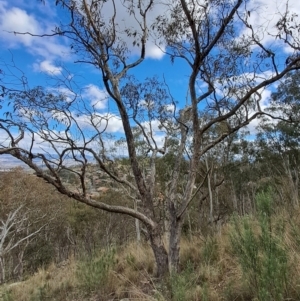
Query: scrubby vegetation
{"points": [[240, 234], [170, 180], [251, 257]]}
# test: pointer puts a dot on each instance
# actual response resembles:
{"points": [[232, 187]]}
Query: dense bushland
{"points": [[251, 257]]}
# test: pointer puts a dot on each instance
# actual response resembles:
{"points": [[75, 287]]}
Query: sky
{"points": [[42, 59]]}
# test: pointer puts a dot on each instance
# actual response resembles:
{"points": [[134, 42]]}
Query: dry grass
{"points": [[209, 271], [133, 272], [54, 280]]}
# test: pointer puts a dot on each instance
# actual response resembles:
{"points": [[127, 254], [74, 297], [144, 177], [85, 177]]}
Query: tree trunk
{"points": [[174, 247], [19, 268], [137, 225], [2, 270], [211, 204], [234, 198], [296, 194], [174, 239], [160, 253]]}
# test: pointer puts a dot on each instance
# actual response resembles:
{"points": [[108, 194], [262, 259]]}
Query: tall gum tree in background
{"points": [[232, 60]]}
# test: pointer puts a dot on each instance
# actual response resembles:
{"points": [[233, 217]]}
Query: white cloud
{"points": [[48, 67], [152, 125], [170, 108], [265, 14], [8, 162], [148, 105], [109, 122], [154, 132], [98, 97], [26, 142], [50, 48], [154, 52], [17, 20], [14, 19], [130, 22], [264, 104], [114, 124], [68, 94]]}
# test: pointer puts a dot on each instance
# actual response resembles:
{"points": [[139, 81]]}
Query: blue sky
{"points": [[42, 58]]}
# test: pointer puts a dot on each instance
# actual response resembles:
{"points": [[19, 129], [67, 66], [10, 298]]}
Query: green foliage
{"points": [[295, 234], [92, 273], [204, 294], [40, 253], [180, 283], [6, 295], [43, 293], [210, 250], [259, 250], [131, 261]]}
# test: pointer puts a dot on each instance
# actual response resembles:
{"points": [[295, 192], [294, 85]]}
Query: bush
{"points": [[93, 273], [181, 283], [260, 252], [210, 250]]}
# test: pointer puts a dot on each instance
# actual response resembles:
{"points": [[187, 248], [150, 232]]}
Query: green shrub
{"points": [[209, 251], [43, 293], [180, 283], [260, 252], [39, 253], [92, 273], [6, 295]]}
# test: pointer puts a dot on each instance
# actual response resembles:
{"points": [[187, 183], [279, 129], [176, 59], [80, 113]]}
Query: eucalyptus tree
{"points": [[232, 58], [278, 142], [15, 233]]}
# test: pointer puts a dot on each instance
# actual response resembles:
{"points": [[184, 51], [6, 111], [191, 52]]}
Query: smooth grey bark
{"points": [[174, 239], [14, 224], [211, 203], [137, 225]]}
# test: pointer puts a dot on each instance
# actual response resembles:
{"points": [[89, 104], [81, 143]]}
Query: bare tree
{"points": [[231, 63], [14, 232]]}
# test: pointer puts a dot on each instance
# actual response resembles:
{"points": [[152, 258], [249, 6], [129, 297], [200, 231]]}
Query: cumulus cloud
{"points": [[26, 142], [15, 19], [98, 97], [47, 67], [17, 16], [264, 15], [154, 52], [115, 124], [155, 132], [170, 108], [133, 23], [69, 95], [152, 126], [109, 122], [264, 104]]}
